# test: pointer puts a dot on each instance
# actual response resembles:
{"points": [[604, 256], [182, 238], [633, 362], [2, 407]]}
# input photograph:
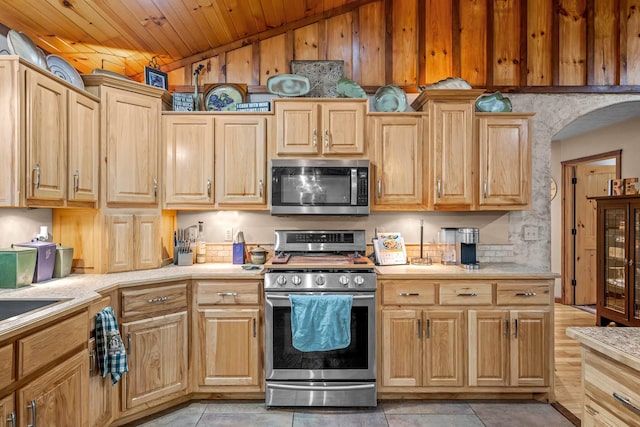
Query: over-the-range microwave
{"points": [[319, 187]]}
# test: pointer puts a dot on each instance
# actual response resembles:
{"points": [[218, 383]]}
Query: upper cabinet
{"points": [[330, 127], [130, 137], [400, 149], [49, 139], [504, 151], [215, 161]]}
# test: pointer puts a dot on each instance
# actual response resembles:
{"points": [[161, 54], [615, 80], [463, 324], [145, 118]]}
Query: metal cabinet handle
{"points": [[526, 294], [208, 188], [379, 188], [260, 185], [227, 294], [155, 187], [158, 299], [12, 419], [315, 137], [467, 294], [36, 169], [128, 343], [506, 329], [326, 139], [419, 328], [428, 330], [254, 328], [409, 294], [484, 188], [92, 362], [32, 406], [439, 188], [626, 402], [76, 181], [515, 328]]}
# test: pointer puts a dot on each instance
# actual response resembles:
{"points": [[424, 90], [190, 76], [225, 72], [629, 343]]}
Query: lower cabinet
{"points": [[101, 389], [227, 336], [58, 397], [500, 340], [8, 411]]}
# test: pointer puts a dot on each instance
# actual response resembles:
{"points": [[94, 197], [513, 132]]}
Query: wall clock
{"points": [[554, 188]]}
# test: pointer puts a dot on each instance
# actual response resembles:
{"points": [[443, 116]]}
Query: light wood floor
{"points": [[568, 376]]}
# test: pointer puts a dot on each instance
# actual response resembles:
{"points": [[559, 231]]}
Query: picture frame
{"points": [[156, 78]]}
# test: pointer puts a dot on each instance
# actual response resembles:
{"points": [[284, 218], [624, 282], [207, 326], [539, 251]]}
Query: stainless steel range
{"points": [[322, 263]]}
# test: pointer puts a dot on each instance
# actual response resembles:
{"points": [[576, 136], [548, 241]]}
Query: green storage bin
{"points": [[17, 266], [64, 258]]}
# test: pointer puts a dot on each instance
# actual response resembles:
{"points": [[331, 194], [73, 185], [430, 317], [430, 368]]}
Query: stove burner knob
{"points": [[344, 280], [296, 280], [320, 281], [281, 280], [358, 280]]}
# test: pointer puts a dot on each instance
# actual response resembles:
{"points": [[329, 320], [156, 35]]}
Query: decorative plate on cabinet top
{"points": [[110, 73], [347, 88], [223, 97], [61, 68], [20, 44], [288, 85], [390, 98]]}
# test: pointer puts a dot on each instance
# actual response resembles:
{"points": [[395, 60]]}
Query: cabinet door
{"points": [[530, 348], [132, 127], [297, 129], [240, 147], [343, 127], [8, 411], [101, 391], [613, 284], [229, 347], [82, 172], [188, 150], [399, 168], [402, 350], [450, 134], [505, 162], [444, 348], [119, 243], [58, 397], [488, 348], [10, 98], [147, 244], [46, 136], [157, 355]]}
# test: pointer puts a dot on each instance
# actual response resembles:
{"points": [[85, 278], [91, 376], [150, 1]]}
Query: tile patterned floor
{"points": [[406, 413]]}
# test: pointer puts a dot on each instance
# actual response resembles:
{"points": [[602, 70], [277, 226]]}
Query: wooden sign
{"points": [[623, 187]]}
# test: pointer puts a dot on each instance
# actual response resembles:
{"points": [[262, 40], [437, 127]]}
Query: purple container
{"points": [[45, 259]]}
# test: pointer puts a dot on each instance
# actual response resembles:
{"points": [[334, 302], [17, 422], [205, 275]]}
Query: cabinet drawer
{"points": [[408, 292], [45, 346], [608, 383], [230, 293], [6, 366], [465, 293], [154, 300], [523, 294]]}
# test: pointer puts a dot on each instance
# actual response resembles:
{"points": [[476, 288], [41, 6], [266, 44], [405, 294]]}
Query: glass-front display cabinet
{"points": [[618, 252]]}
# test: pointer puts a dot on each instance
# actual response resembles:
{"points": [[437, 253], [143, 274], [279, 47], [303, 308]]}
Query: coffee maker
{"points": [[466, 244]]}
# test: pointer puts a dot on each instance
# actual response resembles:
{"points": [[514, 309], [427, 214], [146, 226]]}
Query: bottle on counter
{"points": [[201, 245]]}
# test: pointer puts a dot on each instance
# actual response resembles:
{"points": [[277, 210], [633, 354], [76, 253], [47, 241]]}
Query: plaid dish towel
{"points": [[112, 356]]}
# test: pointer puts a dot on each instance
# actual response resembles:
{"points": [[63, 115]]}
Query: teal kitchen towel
{"points": [[321, 322], [112, 356]]}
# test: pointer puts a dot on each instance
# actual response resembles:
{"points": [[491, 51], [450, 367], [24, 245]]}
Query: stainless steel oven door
{"points": [[284, 362]]}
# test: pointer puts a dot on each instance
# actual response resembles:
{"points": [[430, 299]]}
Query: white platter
{"points": [[61, 68], [20, 44]]}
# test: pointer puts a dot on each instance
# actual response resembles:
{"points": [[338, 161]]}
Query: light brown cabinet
{"points": [[400, 156], [8, 411], [83, 149], [133, 242], [504, 172], [155, 331], [227, 336], [327, 127], [101, 396]]}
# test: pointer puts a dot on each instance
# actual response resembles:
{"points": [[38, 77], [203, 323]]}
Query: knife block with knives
{"points": [[182, 244]]}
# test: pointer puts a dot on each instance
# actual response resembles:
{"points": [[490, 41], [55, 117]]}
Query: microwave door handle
{"points": [[354, 187]]}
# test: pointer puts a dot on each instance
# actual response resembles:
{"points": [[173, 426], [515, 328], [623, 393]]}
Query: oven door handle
{"points": [[322, 387], [304, 293]]}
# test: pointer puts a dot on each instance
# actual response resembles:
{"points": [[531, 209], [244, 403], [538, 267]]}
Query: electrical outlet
{"points": [[228, 234], [530, 232], [193, 233]]}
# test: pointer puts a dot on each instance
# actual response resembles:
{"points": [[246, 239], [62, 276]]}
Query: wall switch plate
{"points": [[530, 232], [228, 234]]}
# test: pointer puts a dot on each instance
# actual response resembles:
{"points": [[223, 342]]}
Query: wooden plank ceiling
{"points": [[126, 35]]}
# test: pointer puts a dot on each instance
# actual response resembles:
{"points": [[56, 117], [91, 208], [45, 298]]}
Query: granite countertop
{"points": [[80, 290], [619, 343]]}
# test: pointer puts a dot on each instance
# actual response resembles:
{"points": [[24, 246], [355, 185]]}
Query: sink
{"points": [[15, 307]]}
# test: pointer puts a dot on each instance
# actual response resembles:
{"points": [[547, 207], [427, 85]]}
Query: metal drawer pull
{"points": [[158, 299], [32, 406], [409, 294], [129, 343], [467, 294], [626, 402], [355, 297], [506, 328], [227, 294], [12, 419], [428, 331], [254, 328], [515, 328], [322, 388], [526, 294], [419, 328], [92, 362]]}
